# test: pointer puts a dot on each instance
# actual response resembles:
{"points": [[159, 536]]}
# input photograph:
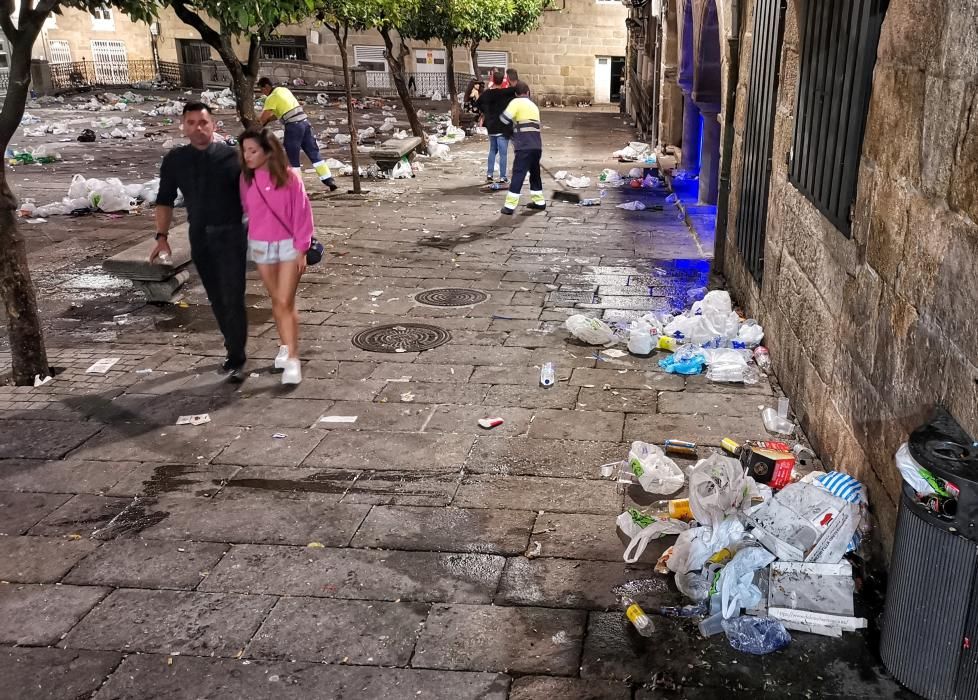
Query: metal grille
{"points": [[838, 53], [59, 51], [450, 296], [402, 337], [762, 99], [92, 73]]}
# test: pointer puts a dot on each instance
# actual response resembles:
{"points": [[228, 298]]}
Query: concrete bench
{"points": [[391, 151], [158, 282]]}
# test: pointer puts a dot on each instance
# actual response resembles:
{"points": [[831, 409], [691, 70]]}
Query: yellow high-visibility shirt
{"points": [[283, 104]]}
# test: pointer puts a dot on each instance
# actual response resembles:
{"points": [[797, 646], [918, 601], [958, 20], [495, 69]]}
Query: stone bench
{"points": [[390, 152], [158, 282]]}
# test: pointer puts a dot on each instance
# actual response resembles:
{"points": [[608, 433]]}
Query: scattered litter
{"points": [[591, 330], [316, 545], [197, 419], [144, 371], [41, 382], [407, 397], [102, 366], [338, 419], [632, 206], [756, 635], [548, 376], [279, 436], [489, 423], [655, 471]]}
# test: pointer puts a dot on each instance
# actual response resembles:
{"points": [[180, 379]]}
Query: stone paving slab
{"points": [[19, 512], [40, 615], [479, 638], [446, 530], [340, 631], [524, 456], [444, 374], [465, 420], [703, 429], [577, 425], [54, 674], [712, 404], [589, 537], [40, 559], [430, 392], [621, 400], [537, 687], [171, 622], [391, 451], [526, 377], [261, 447], [156, 479], [357, 574], [627, 379], [81, 515], [567, 583], [538, 494], [183, 444], [29, 439], [295, 522], [67, 476], [131, 563], [376, 416], [288, 412], [402, 488]]}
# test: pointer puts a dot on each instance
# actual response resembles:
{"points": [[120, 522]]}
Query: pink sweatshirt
{"points": [[287, 205]]}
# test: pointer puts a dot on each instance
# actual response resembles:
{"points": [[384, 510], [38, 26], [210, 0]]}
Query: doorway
{"points": [[617, 77], [193, 54], [430, 71], [602, 80]]}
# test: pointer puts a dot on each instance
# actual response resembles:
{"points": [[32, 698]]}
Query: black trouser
{"points": [[526, 162], [220, 254]]}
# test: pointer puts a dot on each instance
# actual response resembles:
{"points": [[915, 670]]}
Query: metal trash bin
{"points": [[929, 639]]}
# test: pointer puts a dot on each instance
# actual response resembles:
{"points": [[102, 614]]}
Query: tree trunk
{"points": [[452, 87], [396, 65], [28, 353], [350, 118], [243, 78]]}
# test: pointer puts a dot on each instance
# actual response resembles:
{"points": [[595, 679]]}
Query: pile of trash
{"points": [[709, 336], [90, 195], [760, 550], [55, 129], [171, 108], [636, 151], [223, 99], [578, 183], [44, 154]]}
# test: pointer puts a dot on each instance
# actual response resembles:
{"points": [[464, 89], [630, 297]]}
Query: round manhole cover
{"points": [[402, 337], [451, 297]]}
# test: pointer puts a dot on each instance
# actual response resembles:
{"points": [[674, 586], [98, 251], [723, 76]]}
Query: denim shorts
{"points": [[272, 252]]}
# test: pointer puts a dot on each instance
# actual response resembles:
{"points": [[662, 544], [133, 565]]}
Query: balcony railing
{"points": [[77, 74]]}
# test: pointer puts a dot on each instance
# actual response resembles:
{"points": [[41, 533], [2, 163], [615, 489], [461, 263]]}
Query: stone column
{"points": [[710, 165], [691, 135]]}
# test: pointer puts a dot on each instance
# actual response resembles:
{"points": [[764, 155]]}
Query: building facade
{"points": [[577, 53], [847, 203], [104, 36]]}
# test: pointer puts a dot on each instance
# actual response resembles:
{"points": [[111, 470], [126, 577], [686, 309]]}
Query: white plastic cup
{"points": [[783, 407]]}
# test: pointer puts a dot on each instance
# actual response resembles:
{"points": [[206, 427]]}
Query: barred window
{"points": [[838, 52]]}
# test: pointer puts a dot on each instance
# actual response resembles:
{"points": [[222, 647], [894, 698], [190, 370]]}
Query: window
{"points": [[111, 62], [102, 20], [836, 72], [493, 59], [59, 51], [285, 48], [371, 58]]}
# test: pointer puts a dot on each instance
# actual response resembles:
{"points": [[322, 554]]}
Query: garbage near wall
{"points": [[90, 195]]}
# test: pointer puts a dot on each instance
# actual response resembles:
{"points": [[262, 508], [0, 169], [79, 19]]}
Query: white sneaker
{"points": [[292, 373], [283, 355]]}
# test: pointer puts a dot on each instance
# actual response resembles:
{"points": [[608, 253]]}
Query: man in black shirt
{"points": [[491, 103], [207, 174]]}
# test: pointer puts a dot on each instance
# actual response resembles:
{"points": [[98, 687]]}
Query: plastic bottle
{"points": [[677, 509], [637, 616], [756, 635], [762, 357], [548, 376]]}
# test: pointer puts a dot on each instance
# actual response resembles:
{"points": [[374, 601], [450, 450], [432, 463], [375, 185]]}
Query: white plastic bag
{"points": [[729, 365], [632, 206], [694, 546], [655, 471], [657, 529], [342, 139], [636, 173], [578, 183], [736, 585], [640, 338], [401, 170], [77, 187], [911, 471], [717, 488], [591, 330], [751, 333]]}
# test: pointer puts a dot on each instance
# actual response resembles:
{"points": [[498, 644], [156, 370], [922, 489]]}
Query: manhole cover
{"points": [[451, 297], [402, 337]]}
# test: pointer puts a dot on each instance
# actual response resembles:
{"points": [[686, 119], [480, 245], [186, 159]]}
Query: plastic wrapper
{"points": [[655, 530], [718, 488], [591, 330], [736, 584], [756, 635], [919, 479], [686, 360], [694, 546]]}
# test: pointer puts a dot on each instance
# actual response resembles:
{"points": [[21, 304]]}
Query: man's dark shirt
{"points": [[492, 103], [209, 182]]}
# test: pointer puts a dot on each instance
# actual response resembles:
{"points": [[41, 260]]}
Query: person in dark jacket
{"points": [[491, 103]]}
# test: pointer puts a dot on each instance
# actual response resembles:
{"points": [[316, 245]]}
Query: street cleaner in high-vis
{"points": [[524, 116], [281, 104]]}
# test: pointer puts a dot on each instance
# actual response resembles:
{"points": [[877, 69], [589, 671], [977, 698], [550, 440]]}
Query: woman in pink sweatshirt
{"points": [[279, 234]]}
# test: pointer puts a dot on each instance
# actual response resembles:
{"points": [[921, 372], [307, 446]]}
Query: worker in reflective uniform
{"points": [[524, 116], [281, 104]]}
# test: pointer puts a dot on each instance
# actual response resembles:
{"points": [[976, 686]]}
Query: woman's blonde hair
{"points": [[278, 163]]}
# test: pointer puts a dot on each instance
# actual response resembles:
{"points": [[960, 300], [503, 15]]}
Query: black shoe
{"points": [[235, 372], [534, 205], [506, 210], [331, 184]]}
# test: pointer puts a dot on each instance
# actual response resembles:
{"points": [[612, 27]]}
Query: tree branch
{"points": [[6, 24], [191, 18], [254, 54]]}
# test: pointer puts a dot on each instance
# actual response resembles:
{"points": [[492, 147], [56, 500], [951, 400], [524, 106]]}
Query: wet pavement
{"points": [[398, 550]]}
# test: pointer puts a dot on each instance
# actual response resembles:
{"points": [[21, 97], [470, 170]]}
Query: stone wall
{"points": [[868, 334], [78, 29], [557, 59]]}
